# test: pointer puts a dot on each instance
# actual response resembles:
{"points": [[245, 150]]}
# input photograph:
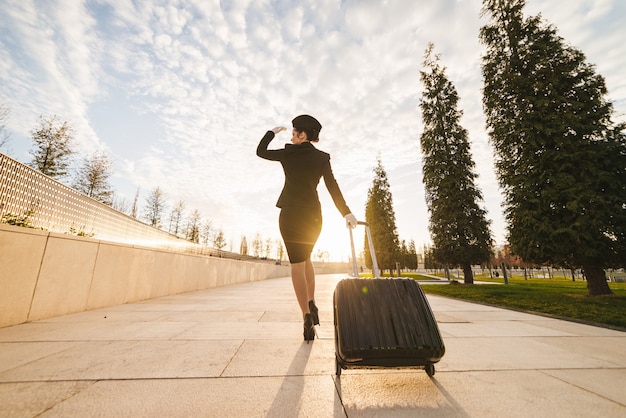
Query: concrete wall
{"points": [[44, 274]]}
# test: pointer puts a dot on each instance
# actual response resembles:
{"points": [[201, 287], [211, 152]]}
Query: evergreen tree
{"points": [[408, 255], [219, 241], [380, 216], [560, 160], [403, 254], [411, 261], [430, 263], [133, 209], [53, 147], [243, 247], [92, 178], [458, 225]]}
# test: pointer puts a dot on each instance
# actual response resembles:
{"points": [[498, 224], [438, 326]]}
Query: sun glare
{"points": [[334, 241]]}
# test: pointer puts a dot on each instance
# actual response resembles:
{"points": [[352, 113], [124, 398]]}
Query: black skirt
{"points": [[300, 228]]}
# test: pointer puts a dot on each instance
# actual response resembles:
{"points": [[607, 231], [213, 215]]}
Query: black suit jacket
{"points": [[303, 165]]}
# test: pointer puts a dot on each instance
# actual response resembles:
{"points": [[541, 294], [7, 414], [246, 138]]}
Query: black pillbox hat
{"points": [[306, 123]]}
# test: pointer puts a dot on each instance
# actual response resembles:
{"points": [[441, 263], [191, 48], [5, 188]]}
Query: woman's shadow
{"points": [[291, 399]]}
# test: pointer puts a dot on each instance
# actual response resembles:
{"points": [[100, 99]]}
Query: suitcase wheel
{"points": [[337, 367], [430, 369]]}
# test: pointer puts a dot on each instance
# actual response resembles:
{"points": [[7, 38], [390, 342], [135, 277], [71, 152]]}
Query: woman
{"points": [[300, 218]]}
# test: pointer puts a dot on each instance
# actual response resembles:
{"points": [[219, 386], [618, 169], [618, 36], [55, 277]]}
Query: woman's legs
{"points": [[300, 228], [310, 279], [303, 280]]}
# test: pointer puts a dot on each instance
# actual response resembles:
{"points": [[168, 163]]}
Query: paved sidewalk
{"points": [[238, 351]]}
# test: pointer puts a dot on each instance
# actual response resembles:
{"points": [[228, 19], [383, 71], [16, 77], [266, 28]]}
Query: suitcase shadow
{"points": [[450, 399]]}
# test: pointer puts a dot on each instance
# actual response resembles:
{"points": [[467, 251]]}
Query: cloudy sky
{"points": [[180, 92]]}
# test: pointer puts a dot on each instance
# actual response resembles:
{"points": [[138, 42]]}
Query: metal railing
{"points": [[55, 207]]}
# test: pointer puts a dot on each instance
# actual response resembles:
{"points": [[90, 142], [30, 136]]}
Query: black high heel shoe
{"points": [[313, 309], [309, 330]]}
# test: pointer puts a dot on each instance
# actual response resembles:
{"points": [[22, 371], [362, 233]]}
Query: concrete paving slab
{"points": [[283, 358], [292, 315], [611, 383], [238, 351], [451, 306], [129, 360], [516, 353], [611, 350], [115, 314], [34, 398], [442, 318], [16, 354], [99, 330], [499, 329], [213, 317], [469, 394], [393, 394], [575, 328], [297, 396], [493, 314], [242, 330]]}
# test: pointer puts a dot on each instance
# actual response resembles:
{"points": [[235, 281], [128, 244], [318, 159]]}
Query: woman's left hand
{"points": [[278, 129]]}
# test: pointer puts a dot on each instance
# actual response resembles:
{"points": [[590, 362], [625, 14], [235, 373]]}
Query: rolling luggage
{"points": [[383, 322]]}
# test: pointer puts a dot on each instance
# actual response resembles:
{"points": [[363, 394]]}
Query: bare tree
{"points": [[155, 206], [53, 147], [193, 226], [268, 248], [120, 204], [280, 250], [206, 232], [257, 245], [176, 215], [92, 178], [4, 135]]}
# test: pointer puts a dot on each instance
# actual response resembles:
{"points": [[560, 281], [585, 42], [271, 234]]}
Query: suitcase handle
{"points": [[355, 270]]}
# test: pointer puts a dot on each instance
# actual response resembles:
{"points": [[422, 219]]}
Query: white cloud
{"points": [[57, 67], [216, 75]]}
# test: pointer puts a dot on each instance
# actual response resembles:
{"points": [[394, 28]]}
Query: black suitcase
{"points": [[384, 322]]}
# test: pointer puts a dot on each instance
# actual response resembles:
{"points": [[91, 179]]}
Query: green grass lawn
{"points": [[558, 296]]}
